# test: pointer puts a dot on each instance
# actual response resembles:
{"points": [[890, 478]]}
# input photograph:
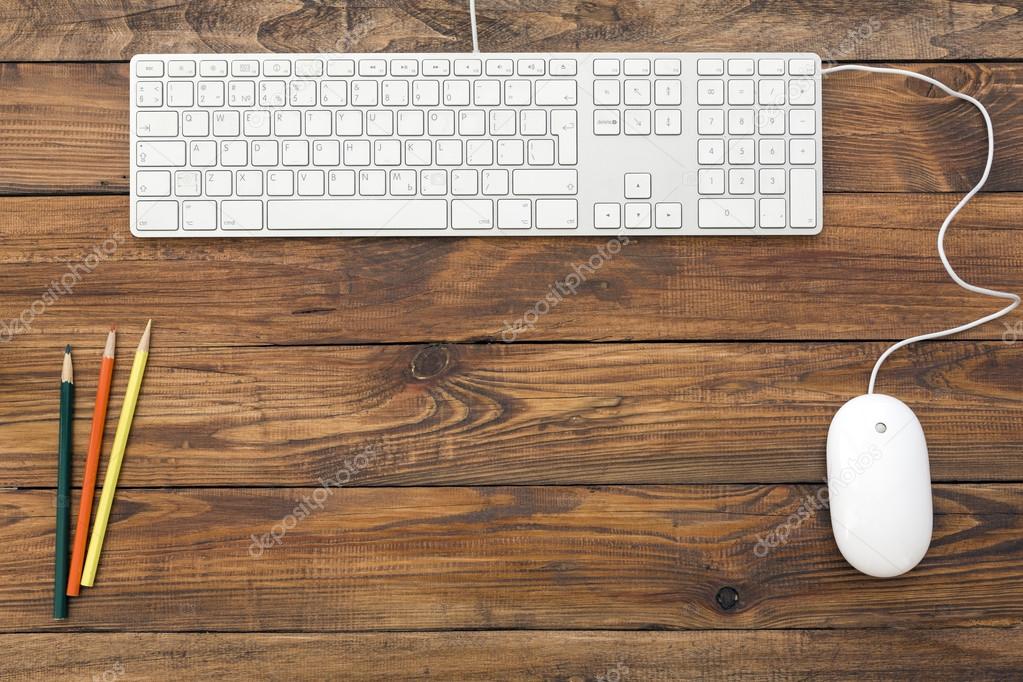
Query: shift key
{"points": [[544, 182]]}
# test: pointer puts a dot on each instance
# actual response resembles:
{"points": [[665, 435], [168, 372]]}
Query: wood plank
{"points": [[918, 654], [41, 30], [64, 128], [872, 274], [375, 559], [521, 414]]}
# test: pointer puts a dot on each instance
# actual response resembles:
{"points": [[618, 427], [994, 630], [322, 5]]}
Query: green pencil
{"points": [[61, 558]]}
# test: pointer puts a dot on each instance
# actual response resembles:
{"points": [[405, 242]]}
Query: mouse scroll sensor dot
{"points": [[880, 427]]}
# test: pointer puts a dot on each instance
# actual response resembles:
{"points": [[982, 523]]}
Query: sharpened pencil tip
{"points": [[67, 348], [144, 341]]}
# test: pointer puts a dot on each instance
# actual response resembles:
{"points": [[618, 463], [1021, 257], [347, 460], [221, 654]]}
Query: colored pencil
{"points": [[99, 420], [106, 498], [60, 557]]}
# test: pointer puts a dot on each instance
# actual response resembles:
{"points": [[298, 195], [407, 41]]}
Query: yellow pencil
{"points": [[106, 498]]}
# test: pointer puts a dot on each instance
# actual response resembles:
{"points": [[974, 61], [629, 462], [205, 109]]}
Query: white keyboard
{"points": [[265, 145]]}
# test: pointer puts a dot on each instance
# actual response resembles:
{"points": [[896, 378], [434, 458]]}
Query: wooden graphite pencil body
{"points": [[60, 555], [106, 498], [99, 420]]}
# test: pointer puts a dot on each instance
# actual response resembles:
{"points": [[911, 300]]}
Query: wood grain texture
{"points": [[64, 128], [556, 656], [507, 558], [521, 414], [40, 30], [872, 274]]}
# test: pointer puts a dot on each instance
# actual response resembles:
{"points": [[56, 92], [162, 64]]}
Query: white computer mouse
{"points": [[879, 485]]}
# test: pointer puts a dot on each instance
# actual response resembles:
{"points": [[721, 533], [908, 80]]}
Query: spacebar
{"points": [[357, 214]]}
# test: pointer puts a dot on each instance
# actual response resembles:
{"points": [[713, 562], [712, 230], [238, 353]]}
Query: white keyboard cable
{"points": [[948, 220], [472, 23]]}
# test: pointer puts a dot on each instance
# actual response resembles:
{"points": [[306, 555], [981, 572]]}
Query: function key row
{"points": [[220, 68]]}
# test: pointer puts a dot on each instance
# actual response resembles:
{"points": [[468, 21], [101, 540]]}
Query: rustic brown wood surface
{"points": [[504, 505]]}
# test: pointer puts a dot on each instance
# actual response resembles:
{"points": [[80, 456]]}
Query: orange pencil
{"points": [[99, 418]]}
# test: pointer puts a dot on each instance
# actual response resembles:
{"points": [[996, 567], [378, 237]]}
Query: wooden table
{"points": [[586, 503]]}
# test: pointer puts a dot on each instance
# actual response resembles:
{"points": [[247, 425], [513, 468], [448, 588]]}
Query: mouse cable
{"points": [[944, 226], [472, 23]]}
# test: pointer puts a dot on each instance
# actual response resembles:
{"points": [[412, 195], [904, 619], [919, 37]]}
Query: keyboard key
{"points": [[517, 93], [248, 183], [607, 216], [156, 124], [637, 185], [637, 92], [341, 183], [148, 69], [531, 67], [526, 182], [668, 216], [667, 67], [152, 153], [153, 183], [606, 93], [514, 214], [564, 127], [606, 67], [357, 214], [436, 67], [402, 183], [494, 182], [468, 67], [740, 67], [710, 92], [637, 216], [557, 214], [281, 68], [551, 92], [772, 181], [210, 94], [245, 67], [772, 213], [802, 122], [771, 67], [472, 214], [187, 183], [740, 92], [802, 91], [180, 94], [710, 67], [149, 94], [772, 152], [772, 92], [465, 182], [741, 181], [241, 215], [213, 68], [156, 215], [218, 183], [801, 67], [563, 67], [371, 67], [637, 67], [740, 151], [667, 122], [340, 67], [667, 93], [309, 68], [710, 152], [280, 183], [710, 122], [711, 181], [500, 67], [199, 215], [607, 122], [802, 151], [310, 183], [404, 67], [637, 121], [727, 213], [181, 68], [318, 123], [540, 153]]}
